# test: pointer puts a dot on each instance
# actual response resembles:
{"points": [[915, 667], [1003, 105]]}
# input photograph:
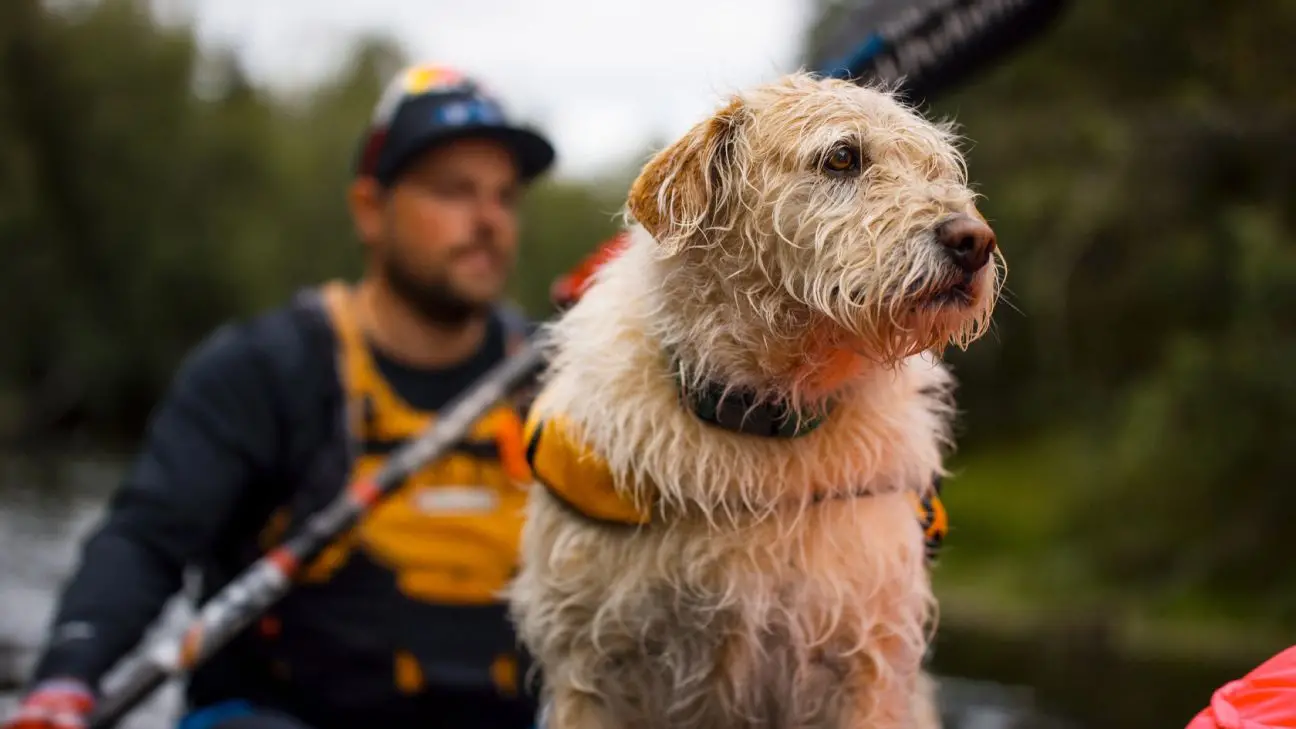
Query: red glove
{"points": [[1265, 698], [567, 289], [59, 703]]}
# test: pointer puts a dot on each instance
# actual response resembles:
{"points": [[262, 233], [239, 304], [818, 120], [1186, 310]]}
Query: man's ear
{"points": [[679, 192], [365, 200]]}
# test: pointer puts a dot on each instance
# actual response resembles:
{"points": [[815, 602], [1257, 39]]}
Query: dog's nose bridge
{"points": [[950, 196]]}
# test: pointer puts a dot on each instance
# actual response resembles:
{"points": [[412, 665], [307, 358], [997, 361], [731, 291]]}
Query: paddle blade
{"points": [[926, 47]]}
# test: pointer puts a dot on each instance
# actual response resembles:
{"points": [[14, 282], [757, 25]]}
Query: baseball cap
{"points": [[427, 104]]}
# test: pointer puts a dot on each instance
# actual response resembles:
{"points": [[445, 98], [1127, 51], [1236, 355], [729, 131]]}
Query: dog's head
{"points": [[822, 209]]}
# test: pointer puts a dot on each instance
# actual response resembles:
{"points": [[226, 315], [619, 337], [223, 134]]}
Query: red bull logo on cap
{"points": [[415, 80], [430, 77]]}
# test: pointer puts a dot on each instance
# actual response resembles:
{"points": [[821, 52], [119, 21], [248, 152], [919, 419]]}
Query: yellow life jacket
{"points": [[446, 542], [417, 580], [451, 533]]}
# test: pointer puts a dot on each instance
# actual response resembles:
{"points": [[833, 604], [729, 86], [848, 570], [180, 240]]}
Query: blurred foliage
{"points": [[1139, 165], [1129, 424], [149, 191]]}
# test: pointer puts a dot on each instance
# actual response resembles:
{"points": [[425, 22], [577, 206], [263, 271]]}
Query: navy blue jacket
{"points": [[252, 414]]}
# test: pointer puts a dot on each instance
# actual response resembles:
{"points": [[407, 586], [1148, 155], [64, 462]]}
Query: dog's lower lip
{"points": [[958, 293]]}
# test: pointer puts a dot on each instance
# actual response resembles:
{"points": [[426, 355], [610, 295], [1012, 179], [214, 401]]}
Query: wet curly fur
{"points": [[782, 582]]}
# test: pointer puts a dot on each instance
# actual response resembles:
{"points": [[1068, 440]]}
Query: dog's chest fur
{"points": [[755, 628], [809, 616]]}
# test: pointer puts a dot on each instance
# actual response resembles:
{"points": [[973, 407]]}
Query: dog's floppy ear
{"points": [[678, 193]]}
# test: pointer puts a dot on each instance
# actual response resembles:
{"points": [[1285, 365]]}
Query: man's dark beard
{"points": [[435, 301]]}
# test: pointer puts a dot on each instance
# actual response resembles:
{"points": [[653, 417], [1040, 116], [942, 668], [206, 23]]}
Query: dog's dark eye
{"points": [[842, 160]]}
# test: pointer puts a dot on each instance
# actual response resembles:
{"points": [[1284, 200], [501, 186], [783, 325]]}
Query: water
{"points": [[44, 517]]}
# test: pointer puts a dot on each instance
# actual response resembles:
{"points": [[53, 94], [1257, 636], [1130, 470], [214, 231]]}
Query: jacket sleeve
{"points": [[207, 441]]}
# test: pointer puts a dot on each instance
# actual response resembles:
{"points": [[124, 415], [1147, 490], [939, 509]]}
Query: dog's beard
{"points": [[908, 305], [783, 337]]}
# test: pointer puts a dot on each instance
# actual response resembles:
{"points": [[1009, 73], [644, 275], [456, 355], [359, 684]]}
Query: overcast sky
{"points": [[602, 77]]}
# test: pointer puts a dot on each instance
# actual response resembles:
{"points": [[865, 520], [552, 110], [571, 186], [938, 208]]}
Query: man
{"points": [[398, 625]]}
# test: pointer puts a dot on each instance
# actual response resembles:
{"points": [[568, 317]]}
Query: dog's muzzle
{"points": [[967, 245]]}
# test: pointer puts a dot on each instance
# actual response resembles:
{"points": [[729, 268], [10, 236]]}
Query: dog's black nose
{"points": [[968, 241]]}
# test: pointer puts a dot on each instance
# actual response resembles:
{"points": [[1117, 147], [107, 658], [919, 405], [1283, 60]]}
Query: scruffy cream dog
{"points": [[738, 415]]}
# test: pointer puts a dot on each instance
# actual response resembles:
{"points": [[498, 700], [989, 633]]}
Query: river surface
{"points": [[44, 516]]}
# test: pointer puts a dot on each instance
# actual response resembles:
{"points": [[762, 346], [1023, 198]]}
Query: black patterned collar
{"points": [[739, 411]]}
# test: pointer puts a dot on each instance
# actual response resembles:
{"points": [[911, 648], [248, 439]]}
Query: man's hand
{"points": [[60, 703]]}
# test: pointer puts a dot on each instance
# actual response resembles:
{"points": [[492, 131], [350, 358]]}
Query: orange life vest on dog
{"points": [[566, 467]]}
